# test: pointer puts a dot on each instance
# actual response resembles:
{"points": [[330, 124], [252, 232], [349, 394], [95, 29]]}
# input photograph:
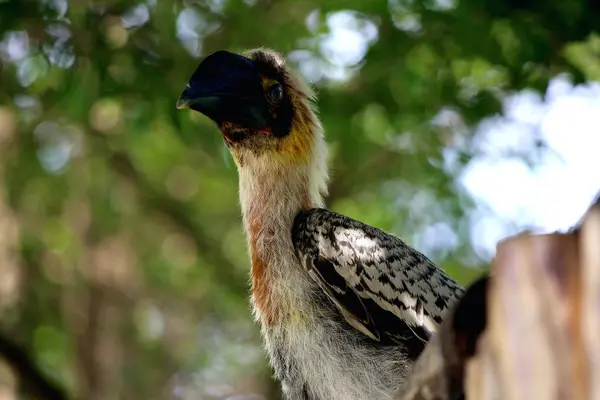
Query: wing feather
{"points": [[383, 287]]}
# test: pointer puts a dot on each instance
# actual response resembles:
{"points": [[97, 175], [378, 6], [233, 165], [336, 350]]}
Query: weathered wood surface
{"points": [[531, 330]]}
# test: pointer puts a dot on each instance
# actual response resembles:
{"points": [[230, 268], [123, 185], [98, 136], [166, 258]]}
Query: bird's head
{"points": [[262, 109]]}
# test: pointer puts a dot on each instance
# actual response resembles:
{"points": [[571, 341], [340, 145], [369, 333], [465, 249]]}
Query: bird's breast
{"points": [[280, 286]]}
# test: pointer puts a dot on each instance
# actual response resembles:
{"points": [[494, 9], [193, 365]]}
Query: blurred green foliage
{"points": [[123, 265]]}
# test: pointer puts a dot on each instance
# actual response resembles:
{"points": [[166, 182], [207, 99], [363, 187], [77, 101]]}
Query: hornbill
{"points": [[344, 307]]}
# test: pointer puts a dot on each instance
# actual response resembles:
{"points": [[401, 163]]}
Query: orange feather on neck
{"points": [[264, 234], [261, 282]]}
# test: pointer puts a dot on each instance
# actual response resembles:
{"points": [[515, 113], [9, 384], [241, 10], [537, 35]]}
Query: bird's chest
{"points": [[320, 358], [315, 354], [281, 289]]}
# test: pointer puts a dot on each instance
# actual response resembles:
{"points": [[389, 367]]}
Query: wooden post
{"points": [[536, 333]]}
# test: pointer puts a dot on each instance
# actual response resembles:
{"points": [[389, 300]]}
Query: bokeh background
{"points": [[123, 269]]}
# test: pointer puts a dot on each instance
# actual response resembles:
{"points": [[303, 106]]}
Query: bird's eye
{"points": [[275, 93]]}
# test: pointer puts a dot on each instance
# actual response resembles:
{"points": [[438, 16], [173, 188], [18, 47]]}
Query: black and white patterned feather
{"points": [[383, 287]]}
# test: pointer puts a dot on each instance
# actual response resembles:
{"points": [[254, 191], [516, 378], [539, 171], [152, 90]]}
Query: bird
{"points": [[344, 308]]}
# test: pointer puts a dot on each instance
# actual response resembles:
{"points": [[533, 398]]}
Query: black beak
{"points": [[226, 87]]}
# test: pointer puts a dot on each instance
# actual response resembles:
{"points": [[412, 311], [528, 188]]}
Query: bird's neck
{"points": [[271, 195]]}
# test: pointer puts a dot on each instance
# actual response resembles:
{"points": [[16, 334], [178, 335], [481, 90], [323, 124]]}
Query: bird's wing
{"points": [[384, 288]]}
